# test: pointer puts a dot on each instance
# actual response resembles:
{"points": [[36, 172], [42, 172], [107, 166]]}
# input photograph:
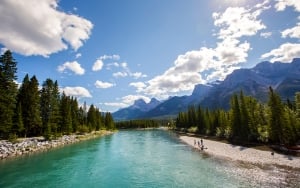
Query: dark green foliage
{"points": [[66, 124], [247, 120], [297, 99], [92, 118], [50, 101], [30, 112], [29, 99], [200, 120], [8, 93], [96, 121], [276, 117], [236, 116], [18, 126], [134, 124], [82, 120], [109, 122], [74, 114]]}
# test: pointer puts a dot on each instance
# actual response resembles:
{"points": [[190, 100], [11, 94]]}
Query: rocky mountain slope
{"points": [[284, 78]]}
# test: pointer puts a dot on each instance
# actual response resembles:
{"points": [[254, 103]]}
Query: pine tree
{"points": [[34, 113], [8, 92], [74, 114], [66, 115], [99, 124], [207, 121], [29, 99], [92, 118], [245, 121], [297, 97], [254, 118], [109, 122], [55, 102], [23, 99], [200, 120], [289, 129], [18, 126], [276, 117], [192, 117], [50, 100], [235, 116]]}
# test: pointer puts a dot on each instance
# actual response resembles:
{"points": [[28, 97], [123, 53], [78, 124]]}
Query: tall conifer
{"points": [[8, 92]]}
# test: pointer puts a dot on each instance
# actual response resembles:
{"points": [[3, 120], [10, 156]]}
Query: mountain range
{"points": [[284, 78]]}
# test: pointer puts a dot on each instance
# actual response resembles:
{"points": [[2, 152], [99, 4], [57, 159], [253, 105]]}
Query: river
{"points": [[135, 158]]}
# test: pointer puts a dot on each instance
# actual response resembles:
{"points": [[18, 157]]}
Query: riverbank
{"points": [[243, 154], [23, 146]]}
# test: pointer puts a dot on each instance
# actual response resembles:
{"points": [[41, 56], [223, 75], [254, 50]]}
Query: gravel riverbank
{"points": [[35, 144], [243, 154]]}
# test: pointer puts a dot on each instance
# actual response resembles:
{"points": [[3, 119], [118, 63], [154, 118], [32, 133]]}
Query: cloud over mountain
{"points": [[209, 64]]}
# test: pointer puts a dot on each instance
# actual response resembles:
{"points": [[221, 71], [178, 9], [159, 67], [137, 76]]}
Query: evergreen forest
{"points": [[247, 120], [27, 110], [140, 124]]}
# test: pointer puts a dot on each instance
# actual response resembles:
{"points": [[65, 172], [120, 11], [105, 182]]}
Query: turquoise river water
{"points": [[148, 158]]}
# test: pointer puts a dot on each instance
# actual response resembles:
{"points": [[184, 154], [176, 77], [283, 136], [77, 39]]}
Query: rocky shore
{"points": [[24, 146], [243, 154]]}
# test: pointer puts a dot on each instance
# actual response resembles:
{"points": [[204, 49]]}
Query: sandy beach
{"points": [[244, 154]]}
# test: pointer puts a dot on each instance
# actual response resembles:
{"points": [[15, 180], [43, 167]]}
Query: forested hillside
{"points": [[30, 111], [247, 120]]}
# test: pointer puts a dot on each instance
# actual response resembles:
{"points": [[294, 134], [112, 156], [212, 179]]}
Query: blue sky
{"points": [[112, 52]]}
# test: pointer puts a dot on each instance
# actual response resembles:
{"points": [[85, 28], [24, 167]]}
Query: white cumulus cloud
{"points": [[285, 53], [125, 71], [116, 104], [120, 74], [138, 75], [282, 4], [103, 85], [266, 34], [73, 66], [129, 99], [292, 32], [237, 22], [209, 64], [113, 57], [78, 55], [139, 86], [76, 92], [97, 65], [288, 51], [35, 27]]}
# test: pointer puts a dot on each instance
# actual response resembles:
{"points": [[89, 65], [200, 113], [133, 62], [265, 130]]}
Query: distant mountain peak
{"points": [[283, 77], [153, 100], [139, 102]]}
